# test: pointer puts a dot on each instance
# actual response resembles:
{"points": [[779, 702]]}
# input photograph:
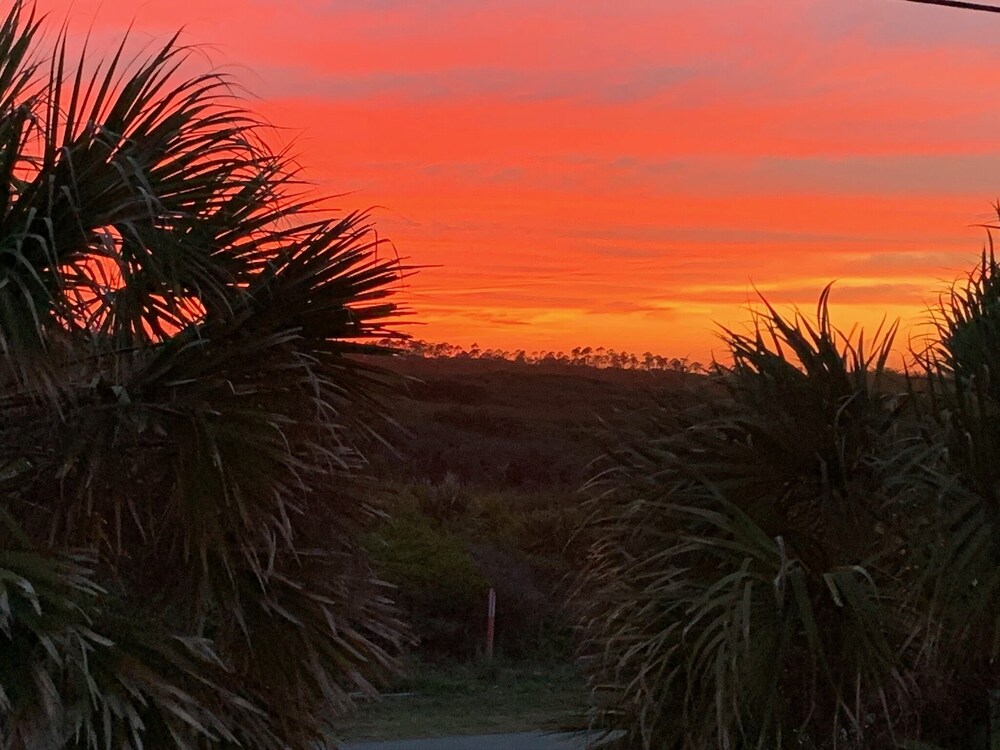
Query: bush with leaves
{"points": [[179, 325], [437, 581], [774, 574], [960, 508]]}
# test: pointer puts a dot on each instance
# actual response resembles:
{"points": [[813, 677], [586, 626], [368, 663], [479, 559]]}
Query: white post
{"points": [[491, 613]]}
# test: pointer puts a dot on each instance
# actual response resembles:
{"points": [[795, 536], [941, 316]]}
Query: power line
{"points": [[959, 4]]}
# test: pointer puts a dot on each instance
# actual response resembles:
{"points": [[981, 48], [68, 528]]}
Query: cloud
{"points": [[893, 174], [612, 87], [587, 166]]}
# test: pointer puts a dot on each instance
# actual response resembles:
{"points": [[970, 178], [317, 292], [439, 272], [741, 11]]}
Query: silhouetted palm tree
{"points": [[814, 560], [179, 394]]}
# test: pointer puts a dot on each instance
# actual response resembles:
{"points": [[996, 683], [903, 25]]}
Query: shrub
{"points": [[444, 557], [960, 505], [443, 502], [750, 584], [179, 512], [437, 581], [528, 619]]}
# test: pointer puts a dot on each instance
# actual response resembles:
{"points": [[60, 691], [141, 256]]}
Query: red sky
{"points": [[623, 174]]}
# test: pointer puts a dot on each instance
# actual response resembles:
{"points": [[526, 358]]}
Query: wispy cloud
{"points": [[624, 173]]}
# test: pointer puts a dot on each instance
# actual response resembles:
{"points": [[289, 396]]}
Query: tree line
{"points": [[586, 356]]}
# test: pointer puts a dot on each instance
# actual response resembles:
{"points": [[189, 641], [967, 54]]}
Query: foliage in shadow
{"points": [[179, 559], [783, 570]]}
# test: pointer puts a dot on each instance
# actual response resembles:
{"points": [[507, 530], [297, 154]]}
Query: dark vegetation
{"points": [[180, 396], [581, 356], [814, 560], [797, 550], [483, 485]]}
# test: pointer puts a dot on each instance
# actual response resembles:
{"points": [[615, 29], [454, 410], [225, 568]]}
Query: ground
{"points": [[477, 698]]}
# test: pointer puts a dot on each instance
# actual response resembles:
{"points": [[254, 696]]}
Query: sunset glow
{"points": [[624, 174]]}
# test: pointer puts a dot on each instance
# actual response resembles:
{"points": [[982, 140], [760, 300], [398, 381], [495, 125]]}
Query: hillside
{"points": [[482, 487], [511, 424]]}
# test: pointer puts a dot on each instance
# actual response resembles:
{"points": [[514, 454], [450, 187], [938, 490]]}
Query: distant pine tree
{"points": [[579, 356]]}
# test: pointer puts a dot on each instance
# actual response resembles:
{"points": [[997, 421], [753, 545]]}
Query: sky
{"points": [[625, 174]]}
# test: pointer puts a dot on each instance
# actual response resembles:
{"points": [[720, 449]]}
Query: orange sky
{"points": [[622, 174]]}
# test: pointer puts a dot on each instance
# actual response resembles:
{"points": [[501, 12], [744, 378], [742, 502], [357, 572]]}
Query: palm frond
{"points": [[743, 592], [183, 349]]}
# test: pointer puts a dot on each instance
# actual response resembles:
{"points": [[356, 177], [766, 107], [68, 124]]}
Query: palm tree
{"points": [[964, 571], [737, 595], [181, 394], [808, 557]]}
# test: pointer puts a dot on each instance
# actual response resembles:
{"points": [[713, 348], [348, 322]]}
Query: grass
{"points": [[476, 698]]}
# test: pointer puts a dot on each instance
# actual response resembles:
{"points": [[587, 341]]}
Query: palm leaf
{"points": [[185, 342], [739, 594]]}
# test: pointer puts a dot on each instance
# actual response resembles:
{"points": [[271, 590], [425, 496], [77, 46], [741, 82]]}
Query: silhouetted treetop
{"points": [[587, 356]]}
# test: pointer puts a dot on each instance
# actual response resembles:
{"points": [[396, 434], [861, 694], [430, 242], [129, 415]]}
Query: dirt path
{"points": [[519, 741]]}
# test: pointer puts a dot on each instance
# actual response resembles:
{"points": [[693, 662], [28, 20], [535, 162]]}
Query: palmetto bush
{"points": [[783, 571], [180, 395], [963, 562]]}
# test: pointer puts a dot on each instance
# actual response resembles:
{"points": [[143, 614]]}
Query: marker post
{"points": [[491, 614]]}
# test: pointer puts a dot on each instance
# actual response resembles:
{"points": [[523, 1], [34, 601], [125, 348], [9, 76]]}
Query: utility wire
{"points": [[959, 4]]}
